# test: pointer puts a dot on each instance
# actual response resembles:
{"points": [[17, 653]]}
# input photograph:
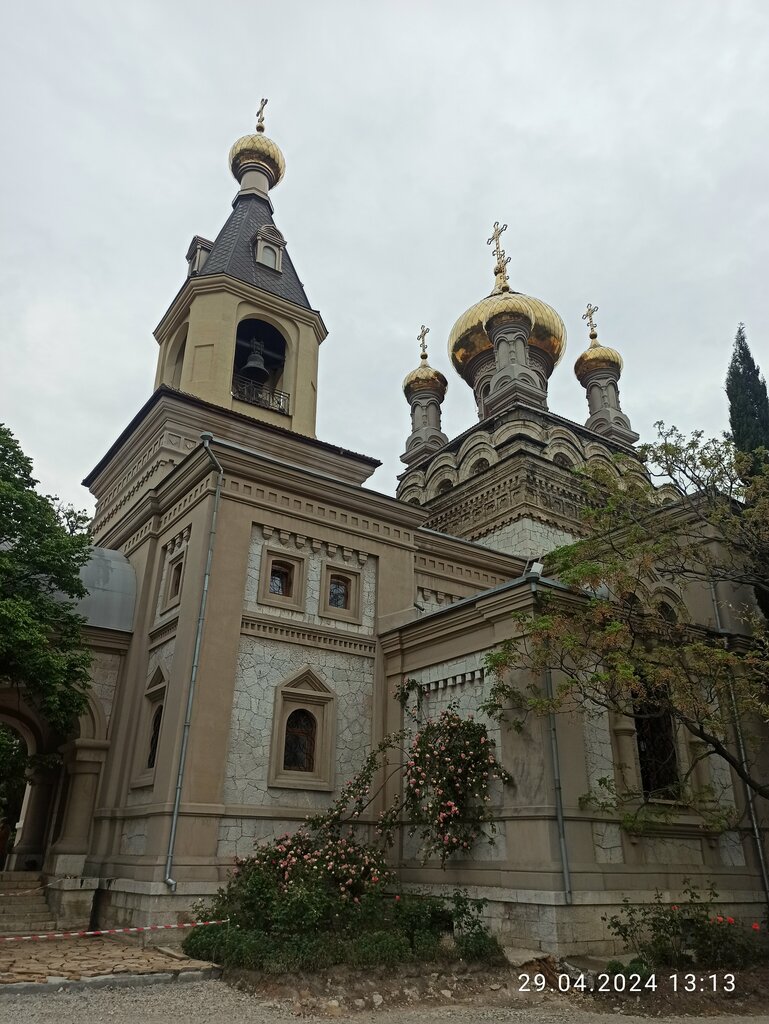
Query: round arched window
{"points": [[299, 746]]}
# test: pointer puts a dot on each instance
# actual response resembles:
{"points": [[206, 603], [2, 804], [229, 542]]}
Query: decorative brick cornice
{"points": [[163, 632], [310, 636]]}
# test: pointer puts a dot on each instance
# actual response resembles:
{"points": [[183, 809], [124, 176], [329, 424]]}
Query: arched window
{"points": [[175, 582], [479, 466], [632, 604], [176, 375], [443, 487], [657, 756], [667, 612], [157, 718], [299, 744], [281, 579], [269, 257], [559, 459], [259, 362], [339, 592]]}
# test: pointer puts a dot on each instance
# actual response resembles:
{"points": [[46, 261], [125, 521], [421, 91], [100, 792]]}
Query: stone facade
{"points": [[265, 579]]}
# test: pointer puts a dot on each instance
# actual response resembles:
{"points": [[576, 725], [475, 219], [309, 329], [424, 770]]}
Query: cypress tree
{"points": [[748, 413], [748, 401]]}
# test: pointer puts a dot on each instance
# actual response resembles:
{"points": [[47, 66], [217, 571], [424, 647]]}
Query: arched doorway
{"points": [[52, 830], [14, 757], [28, 749]]}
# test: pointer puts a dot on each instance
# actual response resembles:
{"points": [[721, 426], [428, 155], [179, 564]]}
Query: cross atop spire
{"points": [[260, 116], [502, 282], [588, 315], [422, 342]]}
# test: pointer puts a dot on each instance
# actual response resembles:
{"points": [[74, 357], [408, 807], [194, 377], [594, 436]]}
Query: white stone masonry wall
{"points": [[104, 672], [263, 665], [599, 764], [526, 538], [463, 682], [315, 553]]}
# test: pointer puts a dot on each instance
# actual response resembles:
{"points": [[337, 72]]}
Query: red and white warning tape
{"points": [[107, 931]]}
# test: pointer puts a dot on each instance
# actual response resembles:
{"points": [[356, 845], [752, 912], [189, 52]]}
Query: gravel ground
{"points": [[212, 1002]]}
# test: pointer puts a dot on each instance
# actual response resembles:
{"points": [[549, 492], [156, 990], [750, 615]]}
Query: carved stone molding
{"points": [[309, 636]]}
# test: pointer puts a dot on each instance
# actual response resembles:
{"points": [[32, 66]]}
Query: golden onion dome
{"points": [[258, 152], [597, 357], [425, 378], [469, 338]]}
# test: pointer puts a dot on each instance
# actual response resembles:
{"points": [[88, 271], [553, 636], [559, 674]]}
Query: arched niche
{"points": [[259, 363]]}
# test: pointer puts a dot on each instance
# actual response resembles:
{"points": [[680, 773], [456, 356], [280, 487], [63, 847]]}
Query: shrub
{"points": [[479, 946], [416, 914], [303, 884], [375, 949], [676, 935], [721, 942]]}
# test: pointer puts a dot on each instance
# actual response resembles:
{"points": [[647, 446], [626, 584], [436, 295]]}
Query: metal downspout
{"points": [[558, 793], [744, 762], [559, 818], [169, 881]]}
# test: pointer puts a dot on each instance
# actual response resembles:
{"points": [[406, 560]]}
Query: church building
{"points": [[253, 606]]}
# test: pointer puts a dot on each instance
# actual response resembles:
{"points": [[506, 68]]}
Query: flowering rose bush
{"points": [[316, 897], [307, 882], [447, 765], [677, 935], [446, 786]]}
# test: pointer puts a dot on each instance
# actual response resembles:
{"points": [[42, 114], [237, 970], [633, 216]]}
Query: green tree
{"points": [[748, 401], [43, 546], [617, 638]]}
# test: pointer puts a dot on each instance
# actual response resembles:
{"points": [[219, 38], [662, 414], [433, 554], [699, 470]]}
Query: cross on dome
{"points": [[502, 283], [588, 315], [422, 342], [260, 116]]}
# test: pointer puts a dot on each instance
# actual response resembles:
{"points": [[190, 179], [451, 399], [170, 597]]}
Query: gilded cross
{"points": [[495, 236], [421, 339], [500, 266], [588, 315], [260, 116]]}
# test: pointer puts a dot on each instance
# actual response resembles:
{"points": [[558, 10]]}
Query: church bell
{"points": [[254, 367]]}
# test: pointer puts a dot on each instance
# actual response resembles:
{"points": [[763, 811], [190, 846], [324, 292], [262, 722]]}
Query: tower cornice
{"points": [[210, 284]]}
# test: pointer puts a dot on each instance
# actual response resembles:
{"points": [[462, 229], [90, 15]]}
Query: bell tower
{"points": [[241, 333]]}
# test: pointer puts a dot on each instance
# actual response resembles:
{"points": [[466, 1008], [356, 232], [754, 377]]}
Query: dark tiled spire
{"points": [[234, 252]]}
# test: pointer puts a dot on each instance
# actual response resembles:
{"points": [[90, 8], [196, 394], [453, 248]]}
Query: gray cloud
{"points": [[624, 144]]}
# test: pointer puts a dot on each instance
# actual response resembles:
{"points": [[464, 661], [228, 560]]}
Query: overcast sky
{"points": [[625, 144]]}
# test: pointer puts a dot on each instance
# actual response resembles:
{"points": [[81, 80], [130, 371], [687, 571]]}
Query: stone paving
{"points": [[73, 959]]}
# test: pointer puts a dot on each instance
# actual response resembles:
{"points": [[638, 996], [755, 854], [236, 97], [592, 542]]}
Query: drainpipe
{"points": [[749, 798], [170, 882], [559, 818]]}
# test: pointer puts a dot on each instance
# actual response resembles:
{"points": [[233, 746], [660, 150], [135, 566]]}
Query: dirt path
{"points": [[212, 1002]]}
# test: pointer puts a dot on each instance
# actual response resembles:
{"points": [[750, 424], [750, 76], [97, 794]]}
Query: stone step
{"points": [[36, 913], [12, 927], [21, 876], [22, 906], [14, 885]]}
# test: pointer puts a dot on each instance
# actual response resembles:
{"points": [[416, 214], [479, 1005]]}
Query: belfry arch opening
{"points": [[258, 366]]}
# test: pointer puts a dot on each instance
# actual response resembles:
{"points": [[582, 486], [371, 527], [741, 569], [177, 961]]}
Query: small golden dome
{"points": [[468, 336], [258, 152], [597, 357], [425, 378]]}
